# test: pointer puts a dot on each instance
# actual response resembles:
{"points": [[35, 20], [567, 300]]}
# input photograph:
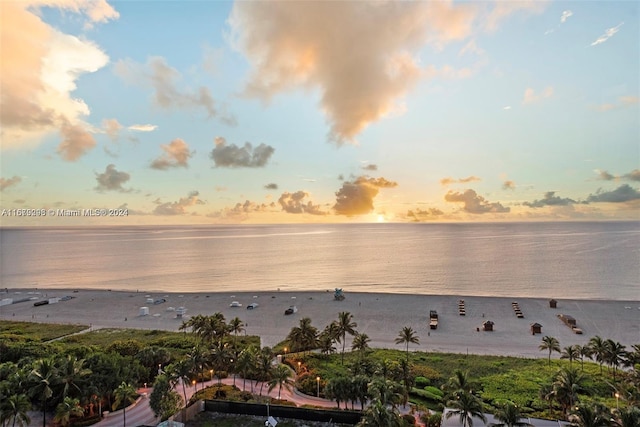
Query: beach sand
{"points": [[380, 316]]}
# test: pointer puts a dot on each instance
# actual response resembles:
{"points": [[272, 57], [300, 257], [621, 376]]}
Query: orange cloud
{"points": [[39, 68]]}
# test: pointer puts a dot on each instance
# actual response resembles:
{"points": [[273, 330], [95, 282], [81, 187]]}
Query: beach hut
{"points": [[536, 328], [144, 311], [553, 303], [487, 326]]}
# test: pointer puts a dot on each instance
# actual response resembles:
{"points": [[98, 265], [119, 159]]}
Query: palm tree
{"points": [[585, 351], [263, 365], [220, 358], [14, 410], [71, 370], [614, 355], [378, 414], [360, 343], [459, 383], [236, 326], [280, 375], [304, 336], [592, 416], [567, 385], [181, 370], [598, 349], [246, 362], [68, 408], [44, 375], [386, 391], [570, 352], [466, 406], [551, 344], [199, 359], [509, 415], [628, 417], [345, 325], [407, 335], [125, 394], [325, 343]]}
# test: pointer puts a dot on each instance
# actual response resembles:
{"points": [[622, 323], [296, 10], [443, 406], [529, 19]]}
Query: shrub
{"points": [[422, 382], [434, 390], [426, 394], [409, 419]]}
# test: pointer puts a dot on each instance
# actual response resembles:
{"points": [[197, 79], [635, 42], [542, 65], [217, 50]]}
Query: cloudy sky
{"points": [[355, 111]]}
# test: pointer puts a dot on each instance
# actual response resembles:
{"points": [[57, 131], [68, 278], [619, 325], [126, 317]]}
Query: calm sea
{"points": [[599, 260]]}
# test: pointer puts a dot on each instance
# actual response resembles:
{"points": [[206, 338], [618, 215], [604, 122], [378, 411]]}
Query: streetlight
{"points": [[317, 386], [194, 385], [617, 398], [211, 372], [285, 352], [299, 367]]}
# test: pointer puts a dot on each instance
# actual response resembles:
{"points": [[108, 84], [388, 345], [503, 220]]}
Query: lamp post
{"points": [[194, 385], [299, 367], [285, 352], [317, 386], [617, 399], [211, 375]]}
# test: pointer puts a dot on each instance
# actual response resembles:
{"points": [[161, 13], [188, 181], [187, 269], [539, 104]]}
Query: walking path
{"points": [[140, 413]]}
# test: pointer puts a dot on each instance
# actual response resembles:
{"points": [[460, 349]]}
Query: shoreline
{"points": [[379, 315]]}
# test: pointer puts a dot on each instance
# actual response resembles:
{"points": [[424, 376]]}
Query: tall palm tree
{"points": [[280, 375], [125, 394], [14, 410], [220, 358], [466, 406], [509, 415], [598, 349], [44, 376], [236, 326], [585, 351], [345, 325], [263, 365], [199, 360], [551, 344], [594, 415], [614, 355], [407, 335], [71, 371], [67, 409], [570, 352], [181, 370], [325, 343], [246, 362]]}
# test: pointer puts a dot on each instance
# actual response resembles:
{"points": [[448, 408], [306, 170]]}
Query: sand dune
{"points": [[380, 316]]}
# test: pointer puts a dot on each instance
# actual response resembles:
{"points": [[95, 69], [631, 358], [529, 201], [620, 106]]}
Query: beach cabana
{"points": [[487, 326], [536, 328], [553, 303]]}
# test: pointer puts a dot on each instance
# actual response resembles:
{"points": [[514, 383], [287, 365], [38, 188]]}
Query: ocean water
{"points": [[595, 260]]}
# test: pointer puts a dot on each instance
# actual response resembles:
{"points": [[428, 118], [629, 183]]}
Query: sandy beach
{"points": [[380, 316]]}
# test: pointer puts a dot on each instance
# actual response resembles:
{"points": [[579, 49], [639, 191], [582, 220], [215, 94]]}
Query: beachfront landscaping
{"points": [[78, 377]]}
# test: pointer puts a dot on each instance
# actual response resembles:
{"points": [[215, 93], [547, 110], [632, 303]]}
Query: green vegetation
{"points": [[76, 377], [39, 332]]}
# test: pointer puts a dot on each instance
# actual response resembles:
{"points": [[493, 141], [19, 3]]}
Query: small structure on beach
{"points": [[487, 326], [553, 303], [338, 295], [536, 328], [144, 311], [180, 312]]}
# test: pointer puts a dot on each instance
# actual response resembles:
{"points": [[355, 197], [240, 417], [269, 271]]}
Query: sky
{"points": [[213, 112]]}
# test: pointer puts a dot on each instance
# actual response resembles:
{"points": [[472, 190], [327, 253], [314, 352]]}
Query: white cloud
{"points": [[565, 15], [143, 128], [609, 32], [530, 96]]}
